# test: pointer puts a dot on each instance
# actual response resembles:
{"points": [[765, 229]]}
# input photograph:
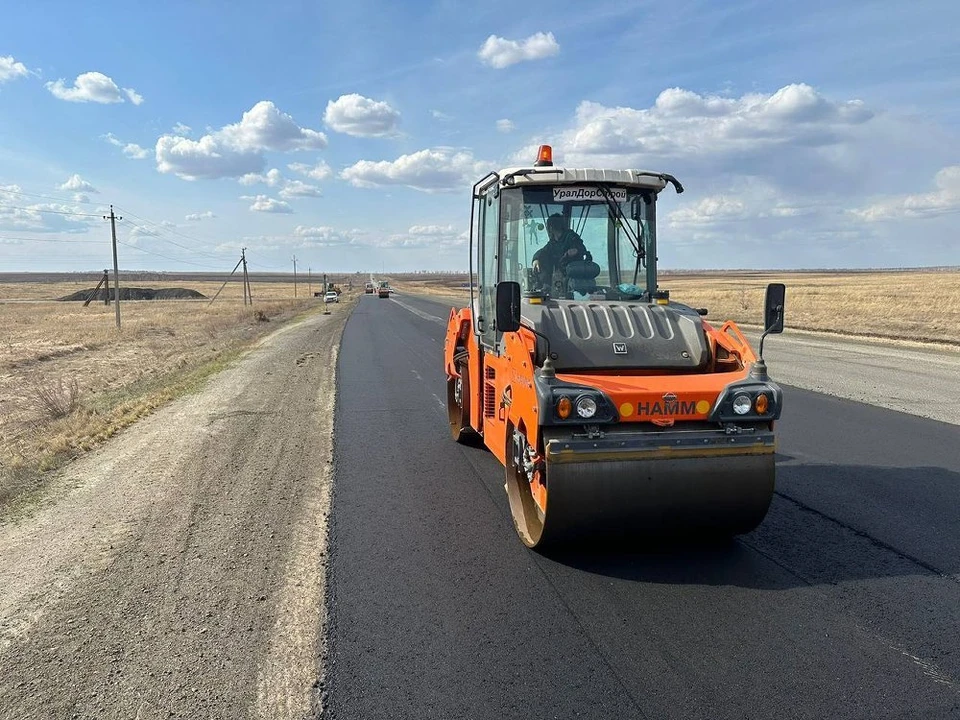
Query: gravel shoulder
{"points": [[179, 570], [908, 377]]}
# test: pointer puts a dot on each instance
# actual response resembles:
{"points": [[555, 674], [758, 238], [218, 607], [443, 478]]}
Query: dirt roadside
{"points": [[178, 571]]}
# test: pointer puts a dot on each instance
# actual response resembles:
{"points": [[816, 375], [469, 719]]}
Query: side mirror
{"points": [[773, 308], [508, 306]]}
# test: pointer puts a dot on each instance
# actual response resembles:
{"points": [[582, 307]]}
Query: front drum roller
{"points": [[458, 406], [569, 495]]}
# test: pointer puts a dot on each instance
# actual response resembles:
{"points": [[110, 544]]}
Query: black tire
{"points": [[458, 412]]}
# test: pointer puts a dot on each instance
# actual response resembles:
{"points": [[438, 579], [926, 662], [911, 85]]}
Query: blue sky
{"points": [[347, 134]]}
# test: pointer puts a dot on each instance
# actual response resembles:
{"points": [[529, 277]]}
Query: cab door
{"points": [[489, 225], [493, 368]]}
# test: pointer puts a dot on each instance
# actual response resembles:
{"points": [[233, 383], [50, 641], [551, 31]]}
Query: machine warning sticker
{"points": [[587, 193]]}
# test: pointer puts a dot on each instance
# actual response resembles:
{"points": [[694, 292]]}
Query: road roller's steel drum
{"points": [[624, 486]]}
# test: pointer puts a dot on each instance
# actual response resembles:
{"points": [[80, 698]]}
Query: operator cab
{"points": [[578, 235], [604, 234]]}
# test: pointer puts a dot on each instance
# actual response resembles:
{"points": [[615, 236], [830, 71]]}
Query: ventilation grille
{"points": [[489, 392]]}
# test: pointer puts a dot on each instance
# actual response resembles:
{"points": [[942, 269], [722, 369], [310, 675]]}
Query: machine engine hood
{"points": [[612, 335]]}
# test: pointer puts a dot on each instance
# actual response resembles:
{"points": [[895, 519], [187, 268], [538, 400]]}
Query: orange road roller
{"points": [[615, 410]]}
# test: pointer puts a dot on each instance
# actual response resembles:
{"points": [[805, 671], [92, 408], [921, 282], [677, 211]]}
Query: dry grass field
{"points": [[922, 306], [69, 380]]}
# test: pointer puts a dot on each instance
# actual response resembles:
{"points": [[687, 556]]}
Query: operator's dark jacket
{"points": [[555, 250]]}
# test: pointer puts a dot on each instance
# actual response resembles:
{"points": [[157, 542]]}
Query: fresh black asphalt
{"points": [[845, 603]]}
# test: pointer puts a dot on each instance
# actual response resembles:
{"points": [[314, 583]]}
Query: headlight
{"points": [[586, 407], [569, 404], [748, 401], [742, 404]]}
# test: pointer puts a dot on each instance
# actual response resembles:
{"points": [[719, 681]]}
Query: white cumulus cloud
{"points": [[505, 126], [325, 236], [198, 216], [207, 158], [499, 52], [265, 204], [238, 149], [181, 129], [135, 152], [746, 199], [93, 87], [432, 170], [425, 236], [320, 171], [442, 230], [288, 188], [43, 217], [945, 199], [75, 183], [135, 97], [139, 232], [131, 150], [439, 237], [298, 188], [10, 69], [684, 123], [709, 210], [265, 127], [360, 116], [271, 178]]}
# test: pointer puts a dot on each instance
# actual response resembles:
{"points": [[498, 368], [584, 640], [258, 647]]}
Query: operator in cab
{"points": [[563, 246]]}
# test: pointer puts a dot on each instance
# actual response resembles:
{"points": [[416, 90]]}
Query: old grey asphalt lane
{"points": [[844, 603]]}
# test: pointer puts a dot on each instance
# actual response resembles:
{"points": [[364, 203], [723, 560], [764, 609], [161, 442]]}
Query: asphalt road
{"points": [[845, 603]]}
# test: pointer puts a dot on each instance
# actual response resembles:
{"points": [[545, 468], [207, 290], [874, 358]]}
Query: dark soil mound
{"points": [[134, 293]]}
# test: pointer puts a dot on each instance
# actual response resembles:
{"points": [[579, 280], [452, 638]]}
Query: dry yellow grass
{"points": [[75, 356], [919, 306], [922, 306]]}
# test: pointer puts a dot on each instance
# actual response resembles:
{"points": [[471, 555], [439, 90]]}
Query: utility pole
{"points": [[309, 282], [246, 278], [294, 275], [116, 268]]}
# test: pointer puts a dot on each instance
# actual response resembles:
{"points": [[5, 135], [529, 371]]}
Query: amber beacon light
{"points": [[544, 156]]}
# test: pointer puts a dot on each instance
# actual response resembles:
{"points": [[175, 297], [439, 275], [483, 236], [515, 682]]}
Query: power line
{"points": [[167, 257], [154, 229], [164, 228], [66, 201], [44, 210], [154, 233], [97, 242], [266, 267], [60, 240]]}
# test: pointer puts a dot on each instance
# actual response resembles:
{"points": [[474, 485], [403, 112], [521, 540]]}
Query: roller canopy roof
{"points": [[555, 175]]}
